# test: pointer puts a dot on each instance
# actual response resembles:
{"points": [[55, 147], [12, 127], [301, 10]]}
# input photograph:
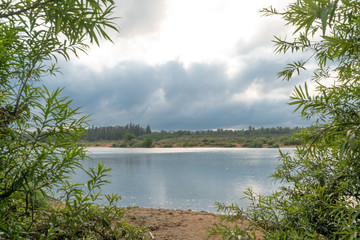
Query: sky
{"points": [[185, 64]]}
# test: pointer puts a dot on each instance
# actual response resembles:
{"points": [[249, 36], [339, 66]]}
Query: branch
{"points": [[36, 5]]}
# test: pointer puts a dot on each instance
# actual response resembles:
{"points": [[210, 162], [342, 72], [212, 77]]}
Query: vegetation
{"points": [[39, 130], [147, 142], [253, 138], [320, 198], [114, 133]]}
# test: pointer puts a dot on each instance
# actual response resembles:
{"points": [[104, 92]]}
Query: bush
{"points": [[128, 137], [253, 143], [320, 198], [292, 141], [227, 145], [274, 146], [147, 142], [190, 144], [40, 131]]}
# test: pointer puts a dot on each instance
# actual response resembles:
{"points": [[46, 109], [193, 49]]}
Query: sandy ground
{"points": [[167, 224]]}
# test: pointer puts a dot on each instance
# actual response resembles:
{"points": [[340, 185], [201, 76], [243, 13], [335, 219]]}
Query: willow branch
{"points": [[36, 5]]}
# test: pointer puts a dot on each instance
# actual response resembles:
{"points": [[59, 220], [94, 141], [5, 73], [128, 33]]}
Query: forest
{"points": [[133, 135], [115, 132]]}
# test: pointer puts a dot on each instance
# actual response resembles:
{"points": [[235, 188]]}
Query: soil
{"points": [[167, 224]]}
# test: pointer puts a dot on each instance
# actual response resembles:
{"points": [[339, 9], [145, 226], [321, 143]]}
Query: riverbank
{"points": [[176, 224], [106, 144], [135, 136]]}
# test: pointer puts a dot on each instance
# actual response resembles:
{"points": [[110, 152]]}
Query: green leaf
{"points": [[324, 17]]}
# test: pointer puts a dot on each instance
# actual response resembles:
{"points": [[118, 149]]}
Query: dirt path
{"points": [[173, 224]]}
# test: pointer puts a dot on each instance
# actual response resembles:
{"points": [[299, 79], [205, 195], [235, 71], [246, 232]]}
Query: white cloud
{"points": [[138, 18], [200, 31]]}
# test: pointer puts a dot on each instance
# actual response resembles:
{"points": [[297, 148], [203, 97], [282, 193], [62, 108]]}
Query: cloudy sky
{"points": [[185, 64]]}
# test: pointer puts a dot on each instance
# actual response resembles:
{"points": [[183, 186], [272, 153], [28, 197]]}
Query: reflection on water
{"points": [[190, 178]]}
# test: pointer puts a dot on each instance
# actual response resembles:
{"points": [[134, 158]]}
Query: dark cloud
{"points": [[171, 97]]}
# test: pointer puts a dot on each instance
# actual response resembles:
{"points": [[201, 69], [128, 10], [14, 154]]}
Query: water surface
{"points": [[185, 178]]}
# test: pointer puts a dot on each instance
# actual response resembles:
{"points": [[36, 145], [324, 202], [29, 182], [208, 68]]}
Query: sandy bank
{"points": [[175, 224]]}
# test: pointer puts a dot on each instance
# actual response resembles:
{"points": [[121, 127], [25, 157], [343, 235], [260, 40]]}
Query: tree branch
{"points": [[36, 5]]}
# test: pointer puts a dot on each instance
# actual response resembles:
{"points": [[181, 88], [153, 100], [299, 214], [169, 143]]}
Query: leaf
{"points": [[332, 8], [324, 17]]}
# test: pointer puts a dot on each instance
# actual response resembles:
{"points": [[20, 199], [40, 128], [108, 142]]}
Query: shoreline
{"points": [[108, 145], [177, 224]]}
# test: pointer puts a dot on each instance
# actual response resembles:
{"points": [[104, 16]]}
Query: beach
{"points": [[166, 224]]}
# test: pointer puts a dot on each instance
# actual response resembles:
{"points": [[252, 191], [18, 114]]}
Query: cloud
{"points": [[261, 39], [185, 65], [170, 96], [139, 17]]}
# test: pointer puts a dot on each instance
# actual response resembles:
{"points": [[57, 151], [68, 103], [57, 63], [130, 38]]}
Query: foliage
{"points": [[39, 130], [320, 198], [147, 142], [114, 132], [253, 143], [128, 137], [118, 132], [262, 137]]}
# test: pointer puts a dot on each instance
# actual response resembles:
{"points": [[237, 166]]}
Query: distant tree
{"points": [[148, 130], [113, 132], [128, 137], [147, 142]]}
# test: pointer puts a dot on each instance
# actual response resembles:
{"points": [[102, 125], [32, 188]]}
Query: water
{"points": [[185, 178]]}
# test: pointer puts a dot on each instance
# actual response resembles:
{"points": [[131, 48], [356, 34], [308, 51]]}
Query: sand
{"points": [[168, 224]]}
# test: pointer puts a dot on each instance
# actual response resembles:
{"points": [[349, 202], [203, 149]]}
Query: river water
{"points": [[185, 178]]}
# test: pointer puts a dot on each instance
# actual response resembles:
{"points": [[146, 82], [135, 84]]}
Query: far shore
{"points": [[109, 145]]}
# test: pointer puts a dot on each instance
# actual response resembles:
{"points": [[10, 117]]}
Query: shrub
{"points": [[274, 146], [320, 198], [253, 143], [128, 137], [147, 142], [190, 144], [40, 131]]}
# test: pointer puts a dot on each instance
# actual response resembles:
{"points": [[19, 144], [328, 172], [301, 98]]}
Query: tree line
{"points": [[115, 132], [118, 132]]}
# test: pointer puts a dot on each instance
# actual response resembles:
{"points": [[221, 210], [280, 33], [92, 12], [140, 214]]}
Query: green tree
{"points": [[147, 142], [38, 128], [321, 195], [148, 130], [128, 137]]}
